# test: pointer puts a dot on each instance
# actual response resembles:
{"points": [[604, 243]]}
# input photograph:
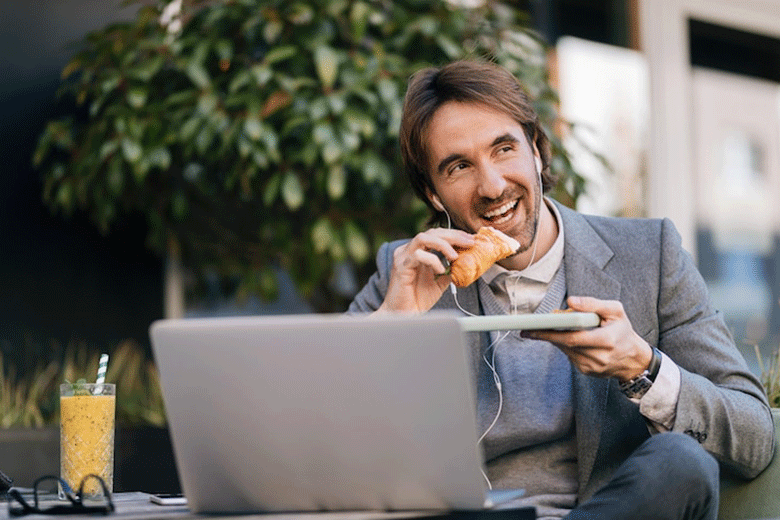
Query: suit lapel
{"points": [[586, 255]]}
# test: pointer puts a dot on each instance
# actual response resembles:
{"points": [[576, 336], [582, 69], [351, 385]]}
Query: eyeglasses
{"points": [[19, 506]]}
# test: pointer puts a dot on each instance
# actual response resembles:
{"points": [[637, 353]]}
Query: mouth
{"points": [[501, 214]]}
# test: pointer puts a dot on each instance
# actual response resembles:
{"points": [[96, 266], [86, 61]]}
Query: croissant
{"points": [[490, 246]]}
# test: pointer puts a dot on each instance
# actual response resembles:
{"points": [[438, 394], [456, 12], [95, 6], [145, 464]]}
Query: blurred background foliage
{"points": [[31, 400], [257, 135]]}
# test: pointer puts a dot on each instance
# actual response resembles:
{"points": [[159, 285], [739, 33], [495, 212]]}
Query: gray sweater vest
{"points": [[532, 444]]}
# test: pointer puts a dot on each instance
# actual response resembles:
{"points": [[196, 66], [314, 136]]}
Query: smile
{"points": [[502, 213]]}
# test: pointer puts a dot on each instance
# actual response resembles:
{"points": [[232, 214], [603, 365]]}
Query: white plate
{"points": [[553, 320]]}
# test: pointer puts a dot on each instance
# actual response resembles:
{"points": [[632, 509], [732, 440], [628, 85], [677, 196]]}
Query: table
{"points": [[137, 506]]}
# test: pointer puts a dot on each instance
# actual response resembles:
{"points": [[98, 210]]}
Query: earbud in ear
{"points": [[538, 163], [437, 203]]}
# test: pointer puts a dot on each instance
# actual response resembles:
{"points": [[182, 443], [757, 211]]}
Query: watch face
{"points": [[636, 388]]}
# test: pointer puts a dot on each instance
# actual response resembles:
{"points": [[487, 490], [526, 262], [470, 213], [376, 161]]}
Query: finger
{"points": [[570, 339], [604, 308], [442, 240], [422, 257]]}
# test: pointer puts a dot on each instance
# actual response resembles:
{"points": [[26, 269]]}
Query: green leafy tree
{"points": [[263, 134]]}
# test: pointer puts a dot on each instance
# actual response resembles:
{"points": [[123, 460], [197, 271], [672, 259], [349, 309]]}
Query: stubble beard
{"points": [[529, 228]]}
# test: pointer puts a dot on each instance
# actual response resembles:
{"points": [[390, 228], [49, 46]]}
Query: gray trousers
{"points": [[669, 476]]}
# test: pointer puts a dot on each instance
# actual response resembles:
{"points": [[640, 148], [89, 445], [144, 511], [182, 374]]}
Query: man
{"points": [[627, 420]]}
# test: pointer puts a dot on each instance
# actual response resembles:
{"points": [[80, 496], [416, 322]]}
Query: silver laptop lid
{"points": [[320, 412]]}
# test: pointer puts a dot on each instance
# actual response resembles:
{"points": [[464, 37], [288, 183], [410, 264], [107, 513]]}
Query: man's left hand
{"points": [[612, 349]]}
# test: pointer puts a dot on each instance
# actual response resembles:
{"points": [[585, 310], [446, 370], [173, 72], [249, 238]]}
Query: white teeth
{"points": [[500, 211]]}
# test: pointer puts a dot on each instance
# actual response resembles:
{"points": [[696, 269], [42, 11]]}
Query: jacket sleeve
{"points": [[373, 293], [721, 403]]}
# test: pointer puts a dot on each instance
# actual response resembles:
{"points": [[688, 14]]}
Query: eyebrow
{"points": [[504, 138]]}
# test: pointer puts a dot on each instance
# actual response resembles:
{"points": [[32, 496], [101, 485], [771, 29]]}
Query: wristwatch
{"points": [[637, 387]]}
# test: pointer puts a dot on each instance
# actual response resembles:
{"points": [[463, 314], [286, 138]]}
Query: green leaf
{"points": [[326, 62], [160, 157], [292, 191], [351, 141], [131, 150], [272, 30], [253, 128], [260, 159], [301, 14], [146, 70], [110, 83], [323, 133], [358, 17], [262, 74], [359, 123], [240, 80], [356, 242], [331, 152], [271, 190], [322, 235], [337, 103], [244, 147], [65, 197], [450, 48], [337, 182], [373, 167], [204, 139], [388, 90], [137, 96], [192, 172], [108, 148], [207, 102], [224, 49], [318, 109], [198, 74], [280, 53], [190, 128], [271, 141]]}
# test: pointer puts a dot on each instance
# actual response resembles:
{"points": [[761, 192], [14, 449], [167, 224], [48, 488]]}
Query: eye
{"points": [[458, 166]]}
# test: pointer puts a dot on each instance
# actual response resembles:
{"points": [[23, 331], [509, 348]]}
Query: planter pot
{"points": [[143, 457], [26, 454], [757, 498]]}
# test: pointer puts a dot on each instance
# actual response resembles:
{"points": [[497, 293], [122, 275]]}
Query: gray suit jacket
{"points": [[641, 263]]}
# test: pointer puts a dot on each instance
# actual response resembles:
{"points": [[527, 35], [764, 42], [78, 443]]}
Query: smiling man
{"points": [[631, 419]]}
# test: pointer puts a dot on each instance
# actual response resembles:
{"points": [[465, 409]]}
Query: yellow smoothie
{"points": [[87, 440]]}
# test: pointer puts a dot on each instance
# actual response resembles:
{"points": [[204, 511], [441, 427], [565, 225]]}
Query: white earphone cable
{"points": [[494, 345]]}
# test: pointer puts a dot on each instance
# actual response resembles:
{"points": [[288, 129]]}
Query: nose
{"points": [[491, 182]]}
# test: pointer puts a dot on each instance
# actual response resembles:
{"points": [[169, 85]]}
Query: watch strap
{"points": [[655, 365]]}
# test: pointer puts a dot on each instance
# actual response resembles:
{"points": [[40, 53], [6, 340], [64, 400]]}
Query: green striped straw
{"points": [[102, 367]]}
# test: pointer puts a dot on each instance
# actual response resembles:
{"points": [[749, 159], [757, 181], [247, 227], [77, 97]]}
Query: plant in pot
{"points": [[259, 136]]}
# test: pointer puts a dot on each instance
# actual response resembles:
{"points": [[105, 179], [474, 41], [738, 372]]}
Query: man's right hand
{"points": [[418, 279]]}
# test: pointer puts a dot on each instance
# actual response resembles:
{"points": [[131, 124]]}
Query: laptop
{"points": [[322, 413]]}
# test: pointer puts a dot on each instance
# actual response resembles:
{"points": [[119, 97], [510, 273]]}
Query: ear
{"points": [[537, 161], [435, 200]]}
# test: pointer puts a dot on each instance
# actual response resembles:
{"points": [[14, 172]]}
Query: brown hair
{"points": [[467, 81]]}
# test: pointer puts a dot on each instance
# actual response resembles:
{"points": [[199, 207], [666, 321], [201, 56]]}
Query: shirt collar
{"points": [[545, 268]]}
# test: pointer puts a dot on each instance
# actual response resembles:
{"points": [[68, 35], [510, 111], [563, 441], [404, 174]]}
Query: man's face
{"points": [[483, 171]]}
